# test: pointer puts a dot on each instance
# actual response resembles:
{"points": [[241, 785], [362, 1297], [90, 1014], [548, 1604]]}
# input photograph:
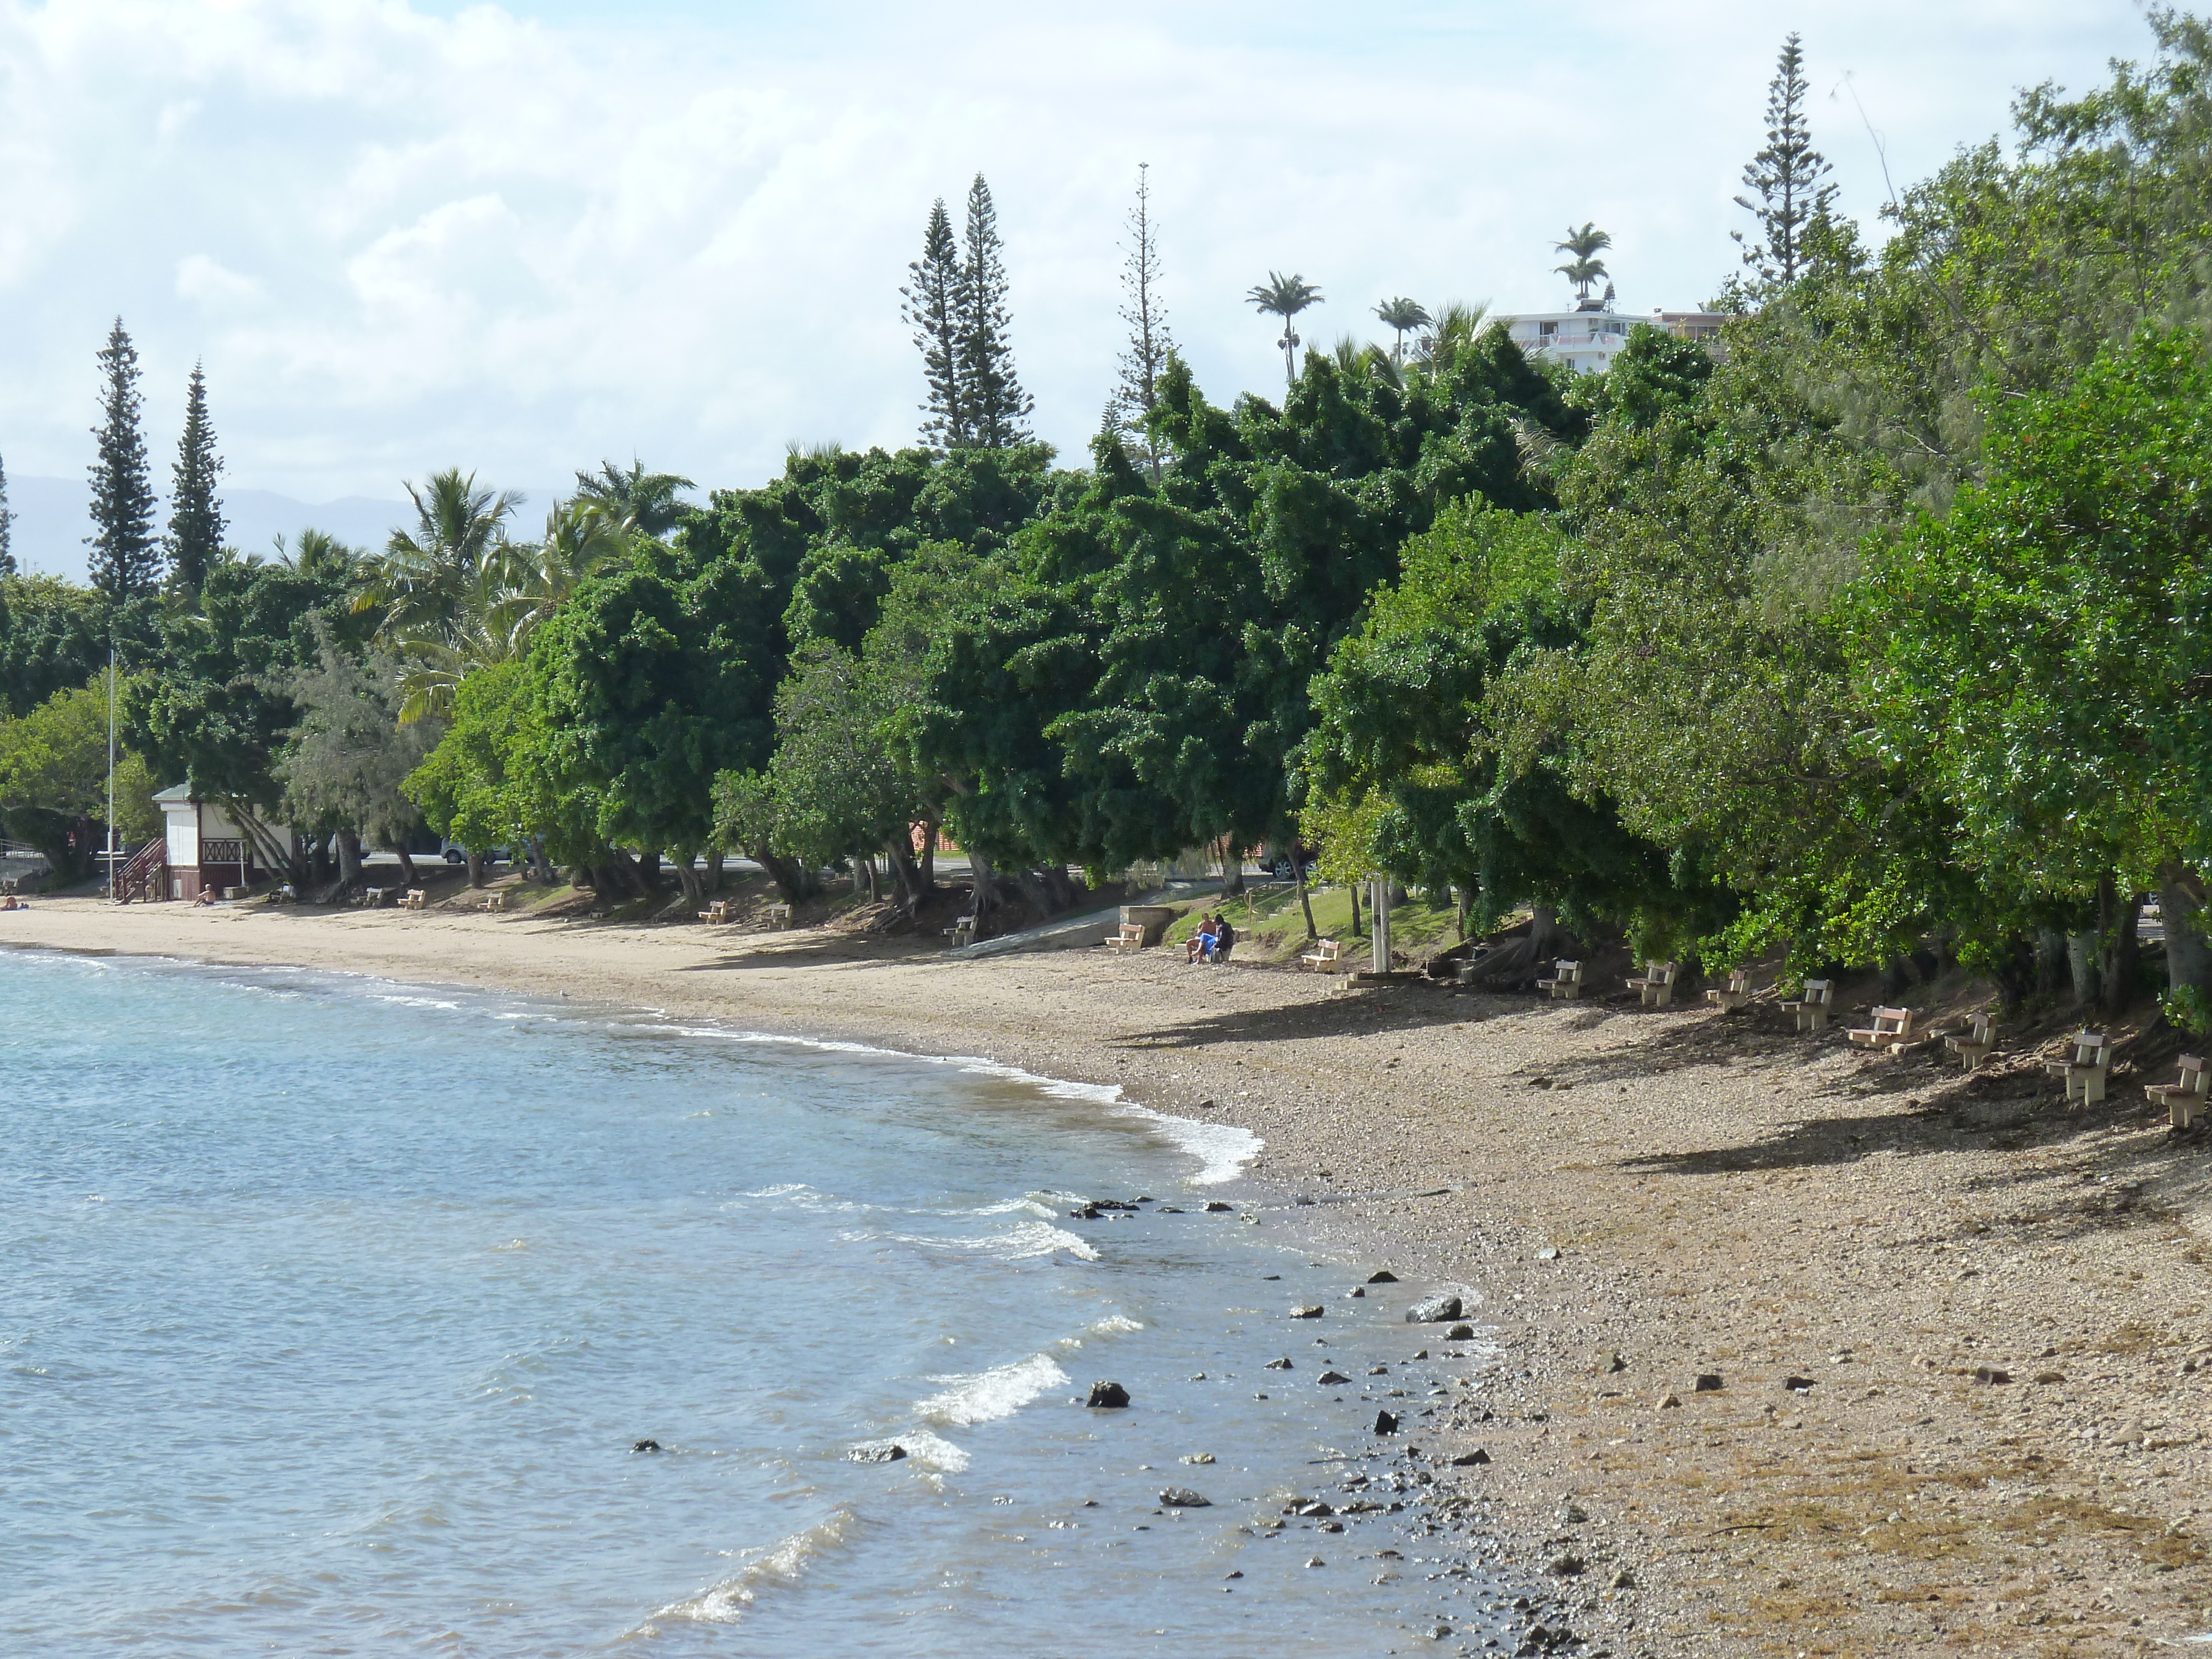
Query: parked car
{"points": [[456, 854]]}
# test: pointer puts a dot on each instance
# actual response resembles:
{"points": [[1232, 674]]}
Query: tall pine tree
{"points": [[7, 538], [1787, 177], [1146, 359], [932, 308], [125, 561], [195, 524], [996, 406]]}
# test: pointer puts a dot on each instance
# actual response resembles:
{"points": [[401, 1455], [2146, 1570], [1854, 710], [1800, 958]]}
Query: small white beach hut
{"points": [[207, 852]]}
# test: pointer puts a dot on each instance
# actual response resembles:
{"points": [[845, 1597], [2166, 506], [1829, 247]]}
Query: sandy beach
{"points": [[1858, 1249]]}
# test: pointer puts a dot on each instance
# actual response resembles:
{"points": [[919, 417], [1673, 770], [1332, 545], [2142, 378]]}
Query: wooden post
{"points": [[1379, 918]]}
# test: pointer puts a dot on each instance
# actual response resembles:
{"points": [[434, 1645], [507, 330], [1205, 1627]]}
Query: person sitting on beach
{"points": [[9, 901], [1199, 944], [1224, 936], [206, 895]]}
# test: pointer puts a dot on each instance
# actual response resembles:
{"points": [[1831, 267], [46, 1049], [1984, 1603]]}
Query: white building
{"points": [[203, 851], [1588, 338]]}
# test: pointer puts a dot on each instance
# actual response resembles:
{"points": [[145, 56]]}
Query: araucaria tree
{"points": [[1787, 177], [125, 561], [7, 541], [1138, 390], [998, 409], [196, 525], [956, 302], [932, 308], [1285, 297]]}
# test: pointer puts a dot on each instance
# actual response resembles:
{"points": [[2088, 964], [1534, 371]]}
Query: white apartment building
{"points": [[1588, 338]]}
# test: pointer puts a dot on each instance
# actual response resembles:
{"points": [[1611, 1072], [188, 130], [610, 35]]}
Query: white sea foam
{"points": [[783, 1563], [1221, 1149], [1017, 1244], [929, 1450], [986, 1396]]}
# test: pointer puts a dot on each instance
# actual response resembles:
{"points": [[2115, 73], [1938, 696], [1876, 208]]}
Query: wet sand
{"points": [[1631, 1198]]}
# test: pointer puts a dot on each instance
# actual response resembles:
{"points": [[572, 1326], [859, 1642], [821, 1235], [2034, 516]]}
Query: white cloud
{"points": [[522, 245], [206, 281]]}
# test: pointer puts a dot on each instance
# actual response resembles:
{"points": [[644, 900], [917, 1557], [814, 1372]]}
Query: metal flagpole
{"points": [[111, 766]]}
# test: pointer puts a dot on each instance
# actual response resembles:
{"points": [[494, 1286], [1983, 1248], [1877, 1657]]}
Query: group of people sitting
{"points": [[1212, 940]]}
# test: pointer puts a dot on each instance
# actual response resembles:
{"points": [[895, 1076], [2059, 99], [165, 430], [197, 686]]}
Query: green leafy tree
{"points": [[1285, 297], [125, 560], [1789, 179], [52, 637], [348, 754], [488, 782], [196, 522], [53, 781], [2041, 651]]}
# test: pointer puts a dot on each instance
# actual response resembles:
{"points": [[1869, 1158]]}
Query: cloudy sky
{"points": [[521, 238]]}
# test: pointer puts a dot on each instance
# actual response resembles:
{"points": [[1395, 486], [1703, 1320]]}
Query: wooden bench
{"points": [[1322, 957], [2083, 1070], [379, 897], [1973, 1044], [716, 913], [962, 932], [1738, 992], [1131, 938], [413, 900], [1812, 1009], [1656, 987], [2185, 1099], [495, 901], [1566, 980], [1892, 1029], [779, 915]]}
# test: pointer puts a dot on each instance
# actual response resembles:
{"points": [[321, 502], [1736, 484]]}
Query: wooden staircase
{"points": [[146, 876]]}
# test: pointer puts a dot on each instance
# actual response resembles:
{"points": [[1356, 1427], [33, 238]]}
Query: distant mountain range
{"points": [[50, 525]]}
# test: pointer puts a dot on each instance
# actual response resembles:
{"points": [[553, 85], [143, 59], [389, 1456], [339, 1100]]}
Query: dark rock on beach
{"points": [[1332, 1379], [1282, 1364], [1108, 1396], [878, 1454], [1381, 1276], [1460, 1334], [1709, 1383], [1386, 1422], [647, 1446], [1088, 1212], [1182, 1498], [1471, 1460], [1435, 1310], [1308, 1310], [1215, 1206]]}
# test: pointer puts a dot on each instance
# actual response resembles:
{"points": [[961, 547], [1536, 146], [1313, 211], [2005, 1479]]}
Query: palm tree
{"points": [[1285, 297], [1451, 330], [1402, 314], [1363, 360], [1586, 267], [423, 576], [501, 606], [646, 500]]}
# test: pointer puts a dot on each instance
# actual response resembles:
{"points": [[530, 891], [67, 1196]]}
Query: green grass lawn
{"points": [[1271, 928]]}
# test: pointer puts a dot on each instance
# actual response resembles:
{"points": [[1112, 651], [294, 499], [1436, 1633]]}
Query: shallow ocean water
{"points": [[331, 1309]]}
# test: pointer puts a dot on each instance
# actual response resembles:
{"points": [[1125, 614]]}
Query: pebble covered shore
{"points": [[1780, 1348]]}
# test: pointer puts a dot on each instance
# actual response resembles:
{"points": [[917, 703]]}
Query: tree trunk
{"points": [[349, 842], [686, 878], [627, 876], [711, 881], [983, 887], [2050, 955], [1354, 888], [2180, 906], [476, 868], [2081, 966], [1543, 932], [1462, 908], [899, 850], [648, 869], [2120, 910], [926, 873], [793, 880], [1232, 869], [1305, 901], [407, 865], [539, 861], [868, 866]]}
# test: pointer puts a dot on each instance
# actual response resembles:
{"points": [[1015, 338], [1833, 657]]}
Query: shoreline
{"points": [[1675, 1194]]}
